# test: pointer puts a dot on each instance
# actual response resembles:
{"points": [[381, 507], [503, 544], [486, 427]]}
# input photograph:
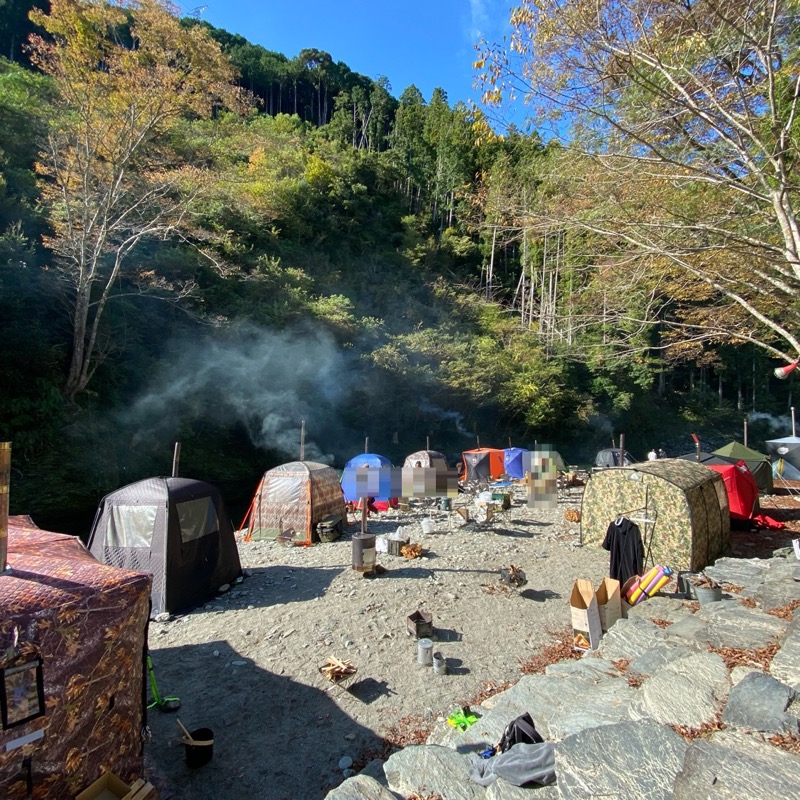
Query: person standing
{"points": [[652, 455]]}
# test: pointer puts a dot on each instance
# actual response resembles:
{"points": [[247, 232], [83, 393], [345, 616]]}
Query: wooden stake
{"points": [[5, 484]]}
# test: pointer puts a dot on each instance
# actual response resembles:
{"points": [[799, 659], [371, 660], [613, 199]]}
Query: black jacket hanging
{"points": [[624, 542]]}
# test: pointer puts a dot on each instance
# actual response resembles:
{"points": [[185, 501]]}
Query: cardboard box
{"points": [[609, 603], [586, 628], [107, 787]]}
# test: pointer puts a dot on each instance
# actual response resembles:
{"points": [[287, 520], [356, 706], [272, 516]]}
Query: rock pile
{"points": [[680, 701]]}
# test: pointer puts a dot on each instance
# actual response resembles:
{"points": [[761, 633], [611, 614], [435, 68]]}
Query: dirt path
{"points": [[246, 665]]}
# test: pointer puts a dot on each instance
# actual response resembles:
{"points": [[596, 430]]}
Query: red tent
{"points": [[741, 487]]}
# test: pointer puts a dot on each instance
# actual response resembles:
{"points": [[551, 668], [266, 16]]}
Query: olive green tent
{"points": [[757, 463], [681, 508]]}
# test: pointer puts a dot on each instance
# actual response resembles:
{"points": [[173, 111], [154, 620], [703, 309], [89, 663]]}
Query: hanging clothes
{"points": [[624, 541]]}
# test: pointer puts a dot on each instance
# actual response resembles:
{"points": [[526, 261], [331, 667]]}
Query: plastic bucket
{"points": [[439, 664], [200, 748], [427, 525], [708, 594], [425, 652]]}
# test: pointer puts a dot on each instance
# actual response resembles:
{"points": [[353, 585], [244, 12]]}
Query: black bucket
{"points": [[200, 748]]}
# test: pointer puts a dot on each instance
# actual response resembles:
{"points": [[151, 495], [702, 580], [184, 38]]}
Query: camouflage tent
{"points": [[685, 502], [73, 634], [298, 496]]}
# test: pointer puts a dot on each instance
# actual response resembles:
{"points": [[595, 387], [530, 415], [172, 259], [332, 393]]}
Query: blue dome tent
{"points": [[381, 490]]}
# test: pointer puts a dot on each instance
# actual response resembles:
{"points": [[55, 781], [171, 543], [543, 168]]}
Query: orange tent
{"points": [[483, 464]]}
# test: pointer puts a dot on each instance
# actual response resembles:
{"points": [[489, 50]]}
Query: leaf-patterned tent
{"points": [[87, 625], [687, 500]]}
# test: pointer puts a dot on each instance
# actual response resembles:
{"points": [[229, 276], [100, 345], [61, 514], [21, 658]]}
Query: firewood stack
{"points": [[336, 670], [413, 550]]}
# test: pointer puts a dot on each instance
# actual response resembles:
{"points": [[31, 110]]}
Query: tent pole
{"points": [[176, 459], [302, 440], [622, 449], [427, 442], [366, 444], [745, 431], [793, 428], [5, 483]]}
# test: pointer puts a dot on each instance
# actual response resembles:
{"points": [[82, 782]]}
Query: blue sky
{"points": [[425, 42]]}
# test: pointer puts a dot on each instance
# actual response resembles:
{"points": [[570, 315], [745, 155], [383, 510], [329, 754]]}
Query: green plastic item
{"points": [[462, 719]]}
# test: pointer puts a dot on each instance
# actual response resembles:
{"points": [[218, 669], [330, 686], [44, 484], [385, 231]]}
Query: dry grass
{"points": [[732, 588], [748, 602], [560, 650], [634, 681], [703, 732], [490, 690], [739, 657], [785, 612], [662, 623], [786, 741]]}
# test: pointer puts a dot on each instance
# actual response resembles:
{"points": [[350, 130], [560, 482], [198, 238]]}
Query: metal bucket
{"points": [[439, 664], [708, 594], [445, 503], [425, 652], [364, 552]]}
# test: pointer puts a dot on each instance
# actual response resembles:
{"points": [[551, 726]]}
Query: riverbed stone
{"points": [[626, 760], [759, 702], [785, 665], [630, 638], [690, 691], [732, 765], [360, 787], [431, 769]]}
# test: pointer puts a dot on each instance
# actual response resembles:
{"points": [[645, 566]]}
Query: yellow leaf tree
{"points": [[685, 115], [126, 73]]}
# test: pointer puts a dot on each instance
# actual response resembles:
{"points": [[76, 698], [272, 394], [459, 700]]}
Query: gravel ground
{"points": [[246, 665]]}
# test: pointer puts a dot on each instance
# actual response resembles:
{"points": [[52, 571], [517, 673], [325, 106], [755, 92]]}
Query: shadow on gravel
{"points": [[266, 586], [539, 595], [446, 635], [455, 666], [273, 737], [369, 690]]}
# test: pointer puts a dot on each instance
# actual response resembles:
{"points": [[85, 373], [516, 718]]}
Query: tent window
{"points": [[131, 526], [197, 518]]}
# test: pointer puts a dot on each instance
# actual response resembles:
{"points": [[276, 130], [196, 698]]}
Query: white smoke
{"points": [[269, 382], [782, 424], [426, 407]]}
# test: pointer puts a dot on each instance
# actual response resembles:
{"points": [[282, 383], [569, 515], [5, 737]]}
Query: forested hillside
{"points": [[208, 242]]}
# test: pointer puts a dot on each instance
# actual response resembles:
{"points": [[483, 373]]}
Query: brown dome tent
{"points": [[176, 529], [73, 638], [686, 503], [298, 495], [427, 459]]}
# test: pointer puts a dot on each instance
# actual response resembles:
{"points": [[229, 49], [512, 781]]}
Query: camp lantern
{"points": [[781, 373]]}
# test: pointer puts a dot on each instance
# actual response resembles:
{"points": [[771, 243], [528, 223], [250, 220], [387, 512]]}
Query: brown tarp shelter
{"points": [[177, 530], [73, 633], [298, 496], [685, 502]]}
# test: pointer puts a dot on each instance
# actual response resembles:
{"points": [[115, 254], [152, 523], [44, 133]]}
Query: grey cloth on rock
{"points": [[519, 765]]}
